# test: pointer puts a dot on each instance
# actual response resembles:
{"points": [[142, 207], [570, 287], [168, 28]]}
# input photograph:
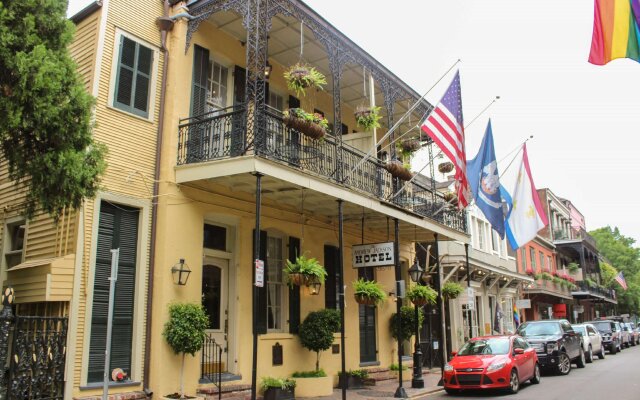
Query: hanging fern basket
{"points": [[301, 77], [398, 170], [365, 300], [298, 279], [367, 117], [445, 167], [410, 145], [310, 125]]}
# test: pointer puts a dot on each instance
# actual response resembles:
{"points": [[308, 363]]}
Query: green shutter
{"points": [[199, 81], [294, 291], [261, 301], [117, 228], [133, 79], [332, 282]]}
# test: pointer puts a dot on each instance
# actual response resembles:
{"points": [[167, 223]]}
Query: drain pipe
{"points": [[165, 24]]}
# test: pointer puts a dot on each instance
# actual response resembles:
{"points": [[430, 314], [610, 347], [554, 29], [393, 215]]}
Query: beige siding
{"points": [[83, 47]]}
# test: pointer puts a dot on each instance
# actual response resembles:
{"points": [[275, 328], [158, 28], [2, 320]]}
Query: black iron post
{"points": [[443, 328], [400, 392], [343, 358], [418, 381], [256, 255], [466, 252], [6, 318]]}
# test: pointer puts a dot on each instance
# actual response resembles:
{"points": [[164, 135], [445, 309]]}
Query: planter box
{"points": [[279, 394], [314, 387], [353, 382], [188, 397]]}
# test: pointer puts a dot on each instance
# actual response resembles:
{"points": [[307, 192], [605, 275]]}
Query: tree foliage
{"points": [[608, 274], [45, 135], [620, 250], [185, 329], [407, 321], [317, 329]]}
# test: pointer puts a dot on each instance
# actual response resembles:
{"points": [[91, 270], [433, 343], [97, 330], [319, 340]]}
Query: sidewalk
{"points": [[384, 390]]}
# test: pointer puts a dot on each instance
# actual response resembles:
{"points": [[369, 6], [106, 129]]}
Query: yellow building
{"points": [[190, 102]]}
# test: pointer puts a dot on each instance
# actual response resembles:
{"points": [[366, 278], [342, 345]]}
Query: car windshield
{"points": [[539, 329], [493, 346], [579, 329], [603, 326]]}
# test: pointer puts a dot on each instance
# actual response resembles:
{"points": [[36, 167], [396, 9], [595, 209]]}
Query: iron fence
{"points": [[211, 363]]}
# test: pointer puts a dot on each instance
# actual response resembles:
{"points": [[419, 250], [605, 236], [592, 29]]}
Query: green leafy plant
{"points": [[537, 276], [317, 329], [573, 267], [185, 332], [368, 292], [301, 77], [394, 367], [422, 294], [547, 276], [557, 280], [46, 134], [277, 383], [310, 268], [368, 118], [590, 282], [451, 290], [358, 373], [310, 374], [407, 323], [313, 125]]}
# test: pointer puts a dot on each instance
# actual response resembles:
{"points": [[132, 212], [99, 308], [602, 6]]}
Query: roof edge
{"points": [[85, 12]]}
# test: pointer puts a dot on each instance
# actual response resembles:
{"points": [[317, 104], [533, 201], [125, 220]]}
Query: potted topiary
{"points": [[451, 290], [301, 77], [407, 316], [185, 334], [316, 334], [313, 125], [421, 295], [369, 293], [356, 379], [399, 170], [304, 271], [278, 388], [368, 117]]}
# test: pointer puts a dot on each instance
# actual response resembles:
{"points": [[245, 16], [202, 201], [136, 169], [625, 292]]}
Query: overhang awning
{"points": [[49, 279]]}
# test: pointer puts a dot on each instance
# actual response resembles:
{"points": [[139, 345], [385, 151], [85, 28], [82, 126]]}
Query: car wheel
{"points": [[451, 391], [589, 356], [580, 361], [514, 382], [613, 349], [564, 364], [536, 375], [601, 354]]}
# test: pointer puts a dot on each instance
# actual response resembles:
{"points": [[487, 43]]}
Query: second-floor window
{"points": [[542, 265], [276, 101], [275, 284], [14, 244], [217, 85], [523, 257], [481, 238], [532, 253], [133, 77]]}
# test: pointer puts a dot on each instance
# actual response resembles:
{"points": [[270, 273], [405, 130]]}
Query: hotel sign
{"points": [[373, 255]]}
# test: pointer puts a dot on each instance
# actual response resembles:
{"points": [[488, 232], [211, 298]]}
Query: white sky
{"points": [[585, 119]]}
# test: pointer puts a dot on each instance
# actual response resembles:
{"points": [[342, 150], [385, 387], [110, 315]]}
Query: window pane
{"points": [[128, 53], [145, 60], [215, 237], [211, 294]]}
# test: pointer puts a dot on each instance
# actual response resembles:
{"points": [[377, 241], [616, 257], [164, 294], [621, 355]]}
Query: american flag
{"points": [[445, 126], [621, 281]]}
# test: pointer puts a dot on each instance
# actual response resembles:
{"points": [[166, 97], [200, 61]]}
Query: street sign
{"points": [[259, 273], [523, 303], [579, 309], [373, 255]]}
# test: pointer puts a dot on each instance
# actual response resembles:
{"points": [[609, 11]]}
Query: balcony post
{"points": [[336, 64]]}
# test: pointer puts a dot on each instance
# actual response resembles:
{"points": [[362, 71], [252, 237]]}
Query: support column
{"points": [[336, 64], [343, 358], [256, 255], [466, 253], [400, 392], [441, 307], [6, 318]]}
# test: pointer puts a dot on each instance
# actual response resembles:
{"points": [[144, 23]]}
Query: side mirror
{"points": [[454, 353], [518, 351]]}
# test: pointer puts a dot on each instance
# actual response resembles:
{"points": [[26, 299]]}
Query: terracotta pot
{"points": [[410, 145], [309, 129], [298, 279], [365, 300], [445, 168], [397, 170], [419, 302]]}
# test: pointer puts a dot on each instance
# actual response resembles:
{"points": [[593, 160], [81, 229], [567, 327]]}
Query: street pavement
{"points": [[617, 377]]}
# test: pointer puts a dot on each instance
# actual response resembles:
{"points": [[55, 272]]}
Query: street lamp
{"points": [[180, 273], [415, 273], [314, 286]]}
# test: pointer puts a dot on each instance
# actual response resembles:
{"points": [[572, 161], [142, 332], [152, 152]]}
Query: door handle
{"points": [[226, 327]]}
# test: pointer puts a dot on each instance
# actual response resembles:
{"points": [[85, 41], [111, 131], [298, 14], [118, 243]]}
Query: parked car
{"points": [[492, 362], [591, 341], [633, 334], [626, 334], [556, 343], [611, 334]]}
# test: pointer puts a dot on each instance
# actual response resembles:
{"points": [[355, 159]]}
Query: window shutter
{"points": [[261, 301], [294, 291], [332, 281], [143, 79], [125, 71], [118, 228], [134, 77], [200, 74], [239, 85]]}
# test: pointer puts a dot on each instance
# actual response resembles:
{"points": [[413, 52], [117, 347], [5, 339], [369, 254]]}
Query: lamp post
{"points": [[417, 382]]}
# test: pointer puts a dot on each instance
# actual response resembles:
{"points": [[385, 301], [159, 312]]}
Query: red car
{"points": [[492, 362]]}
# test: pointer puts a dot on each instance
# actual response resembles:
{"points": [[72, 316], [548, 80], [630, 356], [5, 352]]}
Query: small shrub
{"points": [[277, 383], [358, 373], [407, 321], [394, 367], [546, 276], [310, 374], [317, 329]]}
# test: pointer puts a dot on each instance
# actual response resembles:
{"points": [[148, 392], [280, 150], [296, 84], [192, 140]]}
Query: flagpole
{"points": [[519, 148], [440, 152], [397, 124]]}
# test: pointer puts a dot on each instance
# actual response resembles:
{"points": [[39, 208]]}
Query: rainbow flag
{"points": [[516, 316], [616, 31]]}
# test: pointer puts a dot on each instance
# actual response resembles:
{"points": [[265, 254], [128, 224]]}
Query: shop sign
{"points": [[579, 309], [373, 255], [523, 303]]}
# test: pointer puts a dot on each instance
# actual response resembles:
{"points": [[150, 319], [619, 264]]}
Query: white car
{"points": [[591, 341]]}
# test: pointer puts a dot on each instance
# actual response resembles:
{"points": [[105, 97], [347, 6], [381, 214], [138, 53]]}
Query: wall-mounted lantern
{"points": [[180, 273]]}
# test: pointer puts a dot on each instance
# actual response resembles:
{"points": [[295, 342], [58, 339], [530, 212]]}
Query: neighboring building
{"points": [[190, 120]]}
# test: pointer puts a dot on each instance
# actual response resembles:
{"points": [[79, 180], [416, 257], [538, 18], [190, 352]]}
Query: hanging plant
{"points": [[313, 125], [421, 295], [399, 170], [445, 167], [451, 198], [304, 270], [368, 117], [407, 147], [451, 290], [368, 292], [573, 267], [301, 77]]}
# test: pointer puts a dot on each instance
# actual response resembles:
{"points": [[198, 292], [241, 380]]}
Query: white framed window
{"points": [[481, 238], [542, 264], [275, 100], [495, 241], [218, 85], [276, 286], [507, 315], [134, 72], [550, 260], [532, 253], [14, 241]]}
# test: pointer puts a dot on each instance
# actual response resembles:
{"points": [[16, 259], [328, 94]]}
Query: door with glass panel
{"points": [[216, 104], [215, 300]]}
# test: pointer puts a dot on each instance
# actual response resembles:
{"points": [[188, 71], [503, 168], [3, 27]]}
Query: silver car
{"points": [[591, 341]]}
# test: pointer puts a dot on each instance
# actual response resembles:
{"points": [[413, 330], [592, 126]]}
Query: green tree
{"points": [[608, 274], [625, 257], [317, 329], [45, 135]]}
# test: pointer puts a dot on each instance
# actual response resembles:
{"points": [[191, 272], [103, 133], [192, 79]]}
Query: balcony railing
{"points": [[223, 134], [585, 287]]}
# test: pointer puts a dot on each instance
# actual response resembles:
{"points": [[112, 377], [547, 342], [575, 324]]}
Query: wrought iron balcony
{"points": [[225, 134], [596, 290]]}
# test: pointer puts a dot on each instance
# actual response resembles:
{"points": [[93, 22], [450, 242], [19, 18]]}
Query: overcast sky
{"points": [[585, 119]]}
